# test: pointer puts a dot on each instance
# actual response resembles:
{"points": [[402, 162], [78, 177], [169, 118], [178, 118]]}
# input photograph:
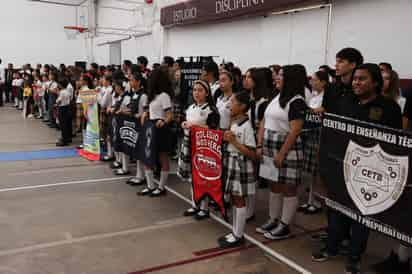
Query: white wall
{"points": [[33, 33], [381, 29]]}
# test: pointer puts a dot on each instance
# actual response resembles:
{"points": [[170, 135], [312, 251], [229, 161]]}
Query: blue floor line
{"points": [[38, 155]]}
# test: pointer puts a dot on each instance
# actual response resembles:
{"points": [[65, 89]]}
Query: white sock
{"points": [[16, 102], [117, 156], [275, 205], [204, 204], [290, 205], [139, 170], [193, 197], [250, 204], [149, 178], [310, 200], [125, 161], [403, 253], [163, 179], [240, 222], [109, 149]]}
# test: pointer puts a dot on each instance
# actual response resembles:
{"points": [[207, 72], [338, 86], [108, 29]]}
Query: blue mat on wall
{"points": [[38, 155]]}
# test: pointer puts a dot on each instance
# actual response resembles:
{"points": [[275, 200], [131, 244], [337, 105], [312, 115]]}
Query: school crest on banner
{"points": [[128, 131], [207, 165], [374, 179], [365, 168]]}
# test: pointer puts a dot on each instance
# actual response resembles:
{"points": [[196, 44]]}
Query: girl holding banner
{"points": [[240, 179], [159, 112], [202, 113], [281, 147]]}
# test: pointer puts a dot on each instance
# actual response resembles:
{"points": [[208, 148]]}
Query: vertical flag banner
{"points": [[91, 139], [366, 171], [207, 165]]}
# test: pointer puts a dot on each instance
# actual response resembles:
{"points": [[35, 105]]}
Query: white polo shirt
{"points": [[159, 106], [223, 106], [244, 134]]}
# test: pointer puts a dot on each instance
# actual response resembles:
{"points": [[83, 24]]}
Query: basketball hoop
{"points": [[72, 31]]}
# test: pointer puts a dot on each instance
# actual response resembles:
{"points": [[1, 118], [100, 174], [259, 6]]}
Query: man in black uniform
{"points": [[365, 104]]}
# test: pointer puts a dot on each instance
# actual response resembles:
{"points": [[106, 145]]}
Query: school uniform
{"points": [[240, 172], [137, 105], [223, 106], [311, 138], [45, 87], [104, 99], [52, 97], [276, 130], [65, 116], [157, 111], [27, 95], [202, 115], [257, 112]]}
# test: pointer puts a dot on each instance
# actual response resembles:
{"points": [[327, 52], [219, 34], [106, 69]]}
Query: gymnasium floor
{"points": [[67, 215]]}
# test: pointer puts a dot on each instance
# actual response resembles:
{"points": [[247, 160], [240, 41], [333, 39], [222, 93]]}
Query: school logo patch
{"points": [[374, 179]]}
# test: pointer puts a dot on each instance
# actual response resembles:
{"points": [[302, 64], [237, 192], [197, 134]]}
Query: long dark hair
{"points": [[159, 82], [294, 80], [262, 77], [307, 83]]}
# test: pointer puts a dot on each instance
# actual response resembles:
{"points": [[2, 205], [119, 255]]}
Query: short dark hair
{"points": [[108, 78], [244, 98], [169, 60], [386, 65], [212, 67], [127, 63], [143, 60], [351, 54], [375, 73], [323, 76], [63, 82]]}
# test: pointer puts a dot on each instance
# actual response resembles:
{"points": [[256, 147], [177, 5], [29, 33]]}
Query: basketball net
{"points": [[73, 32]]}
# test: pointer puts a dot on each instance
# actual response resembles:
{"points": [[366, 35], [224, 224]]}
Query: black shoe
{"points": [[158, 192], [202, 215], [120, 172], [61, 144], [303, 207], [136, 182], [263, 184], [115, 165], [145, 192], [281, 232], [80, 146], [312, 210], [322, 256], [392, 265], [230, 241], [353, 266], [251, 218], [107, 158], [191, 212], [270, 225]]}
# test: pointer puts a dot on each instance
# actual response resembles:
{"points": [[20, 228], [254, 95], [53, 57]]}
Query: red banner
{"points": [[207, 165]]}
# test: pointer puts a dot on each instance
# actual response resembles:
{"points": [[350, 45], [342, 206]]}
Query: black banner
{"points": [[312, 120], [190, 72], [147, 149], [366, 170], [128, 130]]}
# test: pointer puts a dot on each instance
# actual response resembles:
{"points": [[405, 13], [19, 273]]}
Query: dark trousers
{"points": [[65, 119], [338, 226], [50, 107], [7, 90], [2, 90]]}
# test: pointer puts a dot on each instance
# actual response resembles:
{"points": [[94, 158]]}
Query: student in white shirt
{"points": [[240, 178], [159, 111], [86, 83], [122, 107], [44, 86], [202, 113], [223, 102], [311, 138], [18, 90], [104, 98], [52, 96], [65, 113], [136, 109], [210, 74], [281, 146]]}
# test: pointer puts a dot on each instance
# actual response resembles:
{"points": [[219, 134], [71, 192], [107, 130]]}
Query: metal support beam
{"points": [[57, 3]]}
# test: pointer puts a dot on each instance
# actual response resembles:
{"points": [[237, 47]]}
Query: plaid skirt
{"points": [[292, 167], [311, 140], [240, 175], [184, 164], [79, 117]]}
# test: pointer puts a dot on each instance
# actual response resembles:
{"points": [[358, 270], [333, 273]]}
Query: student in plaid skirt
{"points": [[282, 150], [240, 179], [202, 113], [311, 138]]}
